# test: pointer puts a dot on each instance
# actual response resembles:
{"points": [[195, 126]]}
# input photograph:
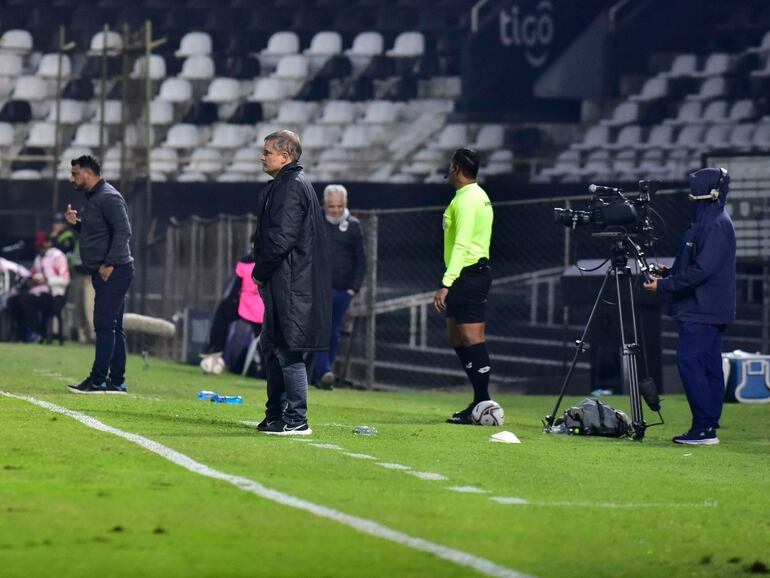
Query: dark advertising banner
{"points": [[534, 59]]}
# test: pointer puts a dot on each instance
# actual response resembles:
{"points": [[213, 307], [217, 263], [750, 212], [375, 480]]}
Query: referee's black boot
{"points": [[462, 417]]}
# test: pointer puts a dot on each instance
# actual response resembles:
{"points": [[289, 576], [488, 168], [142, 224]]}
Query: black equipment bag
{"points": [[593, 417]]}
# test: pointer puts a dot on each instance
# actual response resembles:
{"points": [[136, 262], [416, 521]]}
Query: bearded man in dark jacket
{"points": [[293, 272], [700, 292]]}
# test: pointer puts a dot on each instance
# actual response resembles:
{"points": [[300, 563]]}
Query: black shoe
{"points": [[462, 417], [327, 381], [267, 422], [88, 386], [281, 428], [116, 387], [698, 437]]}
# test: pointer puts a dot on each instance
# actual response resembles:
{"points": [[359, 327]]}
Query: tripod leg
{"points": [[630, 354], [549, 419]]}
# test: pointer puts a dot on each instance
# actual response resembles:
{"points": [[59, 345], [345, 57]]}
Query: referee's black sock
{"points": [[477, 367], [462, 353]]}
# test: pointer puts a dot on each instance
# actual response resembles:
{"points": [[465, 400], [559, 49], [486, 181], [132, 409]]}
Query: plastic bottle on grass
{"points": [[365, 430], [229, 399], [206, 395]]}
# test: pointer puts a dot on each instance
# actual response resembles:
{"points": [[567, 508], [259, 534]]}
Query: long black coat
{"points": [[292, 261]]}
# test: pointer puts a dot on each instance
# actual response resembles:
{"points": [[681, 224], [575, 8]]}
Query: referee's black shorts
{"points": [[467, 298]]}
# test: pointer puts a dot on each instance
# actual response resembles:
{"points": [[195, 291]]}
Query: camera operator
{"points": [[700, 292]]}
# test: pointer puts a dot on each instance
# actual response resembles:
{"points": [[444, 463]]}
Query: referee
{"points": [[466, 281]]}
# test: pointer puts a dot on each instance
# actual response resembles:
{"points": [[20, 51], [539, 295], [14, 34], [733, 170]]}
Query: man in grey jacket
{"points": [[291, 267], [105, 233]]}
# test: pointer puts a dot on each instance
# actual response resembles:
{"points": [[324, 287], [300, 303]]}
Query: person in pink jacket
{"points": [[46, 289], [242, 301]]}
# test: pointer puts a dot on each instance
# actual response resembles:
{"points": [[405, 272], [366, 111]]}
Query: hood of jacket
{"points": [[702, 182]]}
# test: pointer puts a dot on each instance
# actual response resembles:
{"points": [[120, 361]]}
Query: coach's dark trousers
{"points": [[108, 323], [699, 358]]}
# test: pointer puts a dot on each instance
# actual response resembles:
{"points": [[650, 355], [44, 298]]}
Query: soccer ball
{"points": [[212, 365], [488, 413]]}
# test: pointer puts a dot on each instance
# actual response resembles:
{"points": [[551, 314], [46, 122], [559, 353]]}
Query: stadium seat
{"points": [[202, 114], [499, 162], [247, 113], [717, 136], [19, 41], [660, 137], [177, 90], [205, 161], [451, 137], [320, 136], [653, 89], [715, 111], [161, 112], [627, 137], [194, 44], [41, 135], [761, 138], [763, 47], [223, 90], [624, 113], [716, 64], [87, 135], [382, 112], [325, 43], [690, 137], [157, 68], [164, 160], [72, 112], [490, 137], [408, 44], [742, 110], [199, 67], [48, 66], [741, 135], [596, 137], [26, 175], [110, 40], [11, 64], [292, 67], [270, 90], [683, 65], [355, 137], [296, 112], [230, 136], [689, 112], [30, 88], [79, 89], [367, 44], [712, 87], [183, 136], [279, 45], [246, 161], [6, 135], [113, 113], [16, 112]]}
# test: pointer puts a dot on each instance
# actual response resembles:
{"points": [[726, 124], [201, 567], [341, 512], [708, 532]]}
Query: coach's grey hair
{"points": [[335, 190], [286, 141]]}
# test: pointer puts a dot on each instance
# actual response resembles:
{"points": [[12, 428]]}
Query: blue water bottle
{"points": [[230, 399], [206, 395]]}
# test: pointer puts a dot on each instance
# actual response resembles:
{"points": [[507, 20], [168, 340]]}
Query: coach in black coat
{"points": [[292, 268]]}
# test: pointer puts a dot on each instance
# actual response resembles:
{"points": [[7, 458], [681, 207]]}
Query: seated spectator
{"points": [[45, 291], [241, 301]]}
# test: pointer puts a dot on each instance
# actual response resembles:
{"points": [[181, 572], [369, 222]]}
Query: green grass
{"points": [[79, 502]]}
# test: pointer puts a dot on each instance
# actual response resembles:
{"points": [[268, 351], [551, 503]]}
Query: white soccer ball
{"points": [[212, 365], [488, 413]]}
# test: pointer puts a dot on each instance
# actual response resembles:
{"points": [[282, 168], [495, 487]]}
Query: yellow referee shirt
{"points": [[467, 230]]}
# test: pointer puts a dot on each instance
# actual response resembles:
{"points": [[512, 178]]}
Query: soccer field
{"points": [[158, 483]]}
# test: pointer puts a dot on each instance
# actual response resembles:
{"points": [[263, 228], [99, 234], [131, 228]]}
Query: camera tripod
{"points": [[622, 249]]}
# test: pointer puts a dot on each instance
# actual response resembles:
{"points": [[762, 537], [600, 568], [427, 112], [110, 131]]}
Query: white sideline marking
{"points": [[510, 500], [608, 505], [327, 446], [467, 489], [359, 456], [480, 565], [390, 466], [427, 475]]}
